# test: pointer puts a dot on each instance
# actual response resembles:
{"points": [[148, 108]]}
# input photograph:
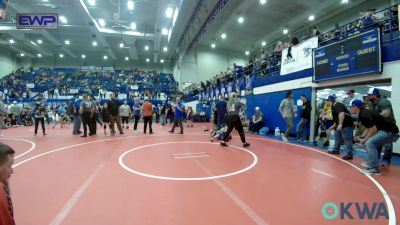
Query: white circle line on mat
{"points": [[122, 164]]}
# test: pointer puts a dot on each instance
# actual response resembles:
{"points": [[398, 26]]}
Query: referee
{"points": [[233, 121]]}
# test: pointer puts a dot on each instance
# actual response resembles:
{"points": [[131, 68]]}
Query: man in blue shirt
{"points": [[179, 112], [136, 113], [77, 117], [221, 113]]}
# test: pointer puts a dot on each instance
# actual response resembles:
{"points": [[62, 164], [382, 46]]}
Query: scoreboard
{"points": [[360, 54]]}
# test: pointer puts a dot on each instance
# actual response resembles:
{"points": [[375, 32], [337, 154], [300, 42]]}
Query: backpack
{"points": [[264, 131]]}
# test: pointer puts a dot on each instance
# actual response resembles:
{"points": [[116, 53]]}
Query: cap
{"points": [[357, 103], [373, 91], [351, 91], [331, 98]]}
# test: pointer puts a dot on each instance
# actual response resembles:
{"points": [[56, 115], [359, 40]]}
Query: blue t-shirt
{"points": [[178, 113], [136, 110], [221, 108]]}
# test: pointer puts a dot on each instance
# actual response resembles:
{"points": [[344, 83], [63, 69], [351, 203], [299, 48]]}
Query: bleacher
{"points": [[69, 81], [265, 71]]}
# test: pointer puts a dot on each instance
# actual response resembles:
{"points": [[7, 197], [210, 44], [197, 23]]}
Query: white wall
{"points": [[204, 63], [8, 62], [213, 61]]}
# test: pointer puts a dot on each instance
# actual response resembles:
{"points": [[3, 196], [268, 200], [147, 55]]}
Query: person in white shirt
{"points": [[125, 112]]}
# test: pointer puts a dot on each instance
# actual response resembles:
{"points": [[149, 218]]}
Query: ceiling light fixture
{"points": [[262, 2], [213, 45], [147, 60], [311, 18], [94, 43], [131, 5], [105, 57], [146, 47], [83, 56], [39, 55], [247, 53], [133, 26], [169, 12], [39, 41], [61, 56], [67, 42], [102, 22], [223, 36], [92, 2], [285, 31], [126, 58], [162, 61], [12, 41], [263, 43], [165, 49], [345, 1], [22, 54], [240, 19], [164, 31], [63, 19], [121, 45]]}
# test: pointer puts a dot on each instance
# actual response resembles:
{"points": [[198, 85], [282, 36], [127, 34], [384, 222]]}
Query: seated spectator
{"points": [[257, 121]]}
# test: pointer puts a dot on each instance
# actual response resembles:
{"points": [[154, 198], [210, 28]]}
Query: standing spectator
{"points": [[381, 105], [344, 125], [233, 121], [86, 111], [136, 113], [163, 114], [147, 115], [189, 117], [157, 111], [77, 117], [3, 112], [179, 112], [350, 97], [125, 112], [288, 109], [305, 119], [105, 116], [380, 132], [113, 110], [6, 206], [257, 121], [170, 114], [40, 111], [94, 115], [221, 109]]}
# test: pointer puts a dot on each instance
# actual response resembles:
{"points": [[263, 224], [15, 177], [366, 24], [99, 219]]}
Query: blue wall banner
{"points": [[360, 54]]}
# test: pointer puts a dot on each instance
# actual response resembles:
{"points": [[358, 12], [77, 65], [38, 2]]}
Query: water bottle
{"points": [[277, 131]]}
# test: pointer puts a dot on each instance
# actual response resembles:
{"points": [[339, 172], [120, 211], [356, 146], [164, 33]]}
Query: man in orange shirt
{"points": [[6, 207], [147, 114]]}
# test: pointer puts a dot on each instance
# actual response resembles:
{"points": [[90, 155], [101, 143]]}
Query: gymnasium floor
{"points": [[165, 179]]}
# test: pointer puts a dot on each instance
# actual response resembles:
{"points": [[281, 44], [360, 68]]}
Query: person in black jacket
{"points": [[105, 116], [305, 119], [113, 110]]}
